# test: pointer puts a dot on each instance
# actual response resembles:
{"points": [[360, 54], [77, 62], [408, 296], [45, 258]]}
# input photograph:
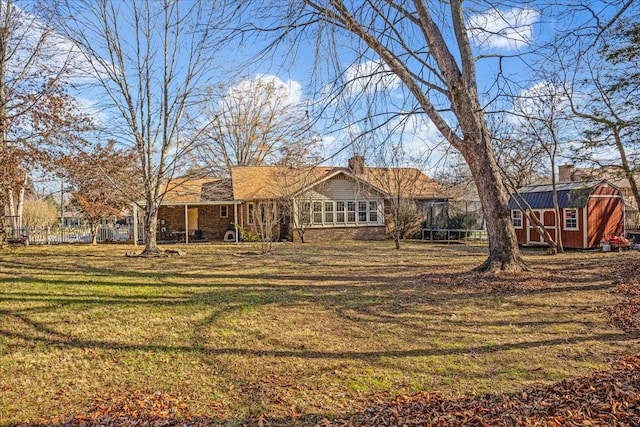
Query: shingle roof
{"points": [[408, 181], [264, 182], [570, 195], [186, 190], [270, 182]]}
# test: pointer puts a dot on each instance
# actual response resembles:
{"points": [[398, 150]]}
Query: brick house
{"points": [[321, 203]]}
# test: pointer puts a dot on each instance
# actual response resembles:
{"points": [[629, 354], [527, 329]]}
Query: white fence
{"points": [[73, 234]]}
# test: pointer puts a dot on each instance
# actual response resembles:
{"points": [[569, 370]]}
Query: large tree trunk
{"points": [[504, 254], [150, 228]]}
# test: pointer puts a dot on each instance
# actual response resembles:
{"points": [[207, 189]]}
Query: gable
{"points": [[340, 187]]}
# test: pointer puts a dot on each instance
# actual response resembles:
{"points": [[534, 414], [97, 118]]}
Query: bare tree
{"points": [[602, 90], [149, 58], [426, 48], [404, 189], [543, 119], [256, 122], [39, 213]]}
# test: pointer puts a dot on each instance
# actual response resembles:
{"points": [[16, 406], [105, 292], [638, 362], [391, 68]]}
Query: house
{"points": [[319, 203], [590, 212]]}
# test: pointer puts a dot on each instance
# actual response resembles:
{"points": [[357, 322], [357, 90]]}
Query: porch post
{"points": [[235, 219], [186, 224], [134, 209]]}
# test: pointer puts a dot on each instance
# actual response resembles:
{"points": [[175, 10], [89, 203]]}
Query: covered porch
{"points": [[191, 222]]}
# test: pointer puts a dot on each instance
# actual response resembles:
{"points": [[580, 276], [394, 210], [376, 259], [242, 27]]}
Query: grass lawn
{"points": [[311, 329]]}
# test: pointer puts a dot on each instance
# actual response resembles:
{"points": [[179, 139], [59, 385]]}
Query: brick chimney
{"points": [[356, 164], [565, 173]]}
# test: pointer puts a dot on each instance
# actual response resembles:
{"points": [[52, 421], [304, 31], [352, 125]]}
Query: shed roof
{"points": [[573, 194]]}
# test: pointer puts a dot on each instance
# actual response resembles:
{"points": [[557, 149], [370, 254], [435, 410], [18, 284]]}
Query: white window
{"points": [[373, 211], [250, 213], [317, 212], [571, 219], [305, 213], [362, 211], [351, 212], [328, 212], [340, 212], [224, 211], [516, 218]]}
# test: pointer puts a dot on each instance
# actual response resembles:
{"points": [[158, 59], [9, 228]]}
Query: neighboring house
{"points": [[324, 203], [590, 211]]}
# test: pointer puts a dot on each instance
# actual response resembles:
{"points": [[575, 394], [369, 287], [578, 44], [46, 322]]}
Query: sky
{"points": [[506, 36]]}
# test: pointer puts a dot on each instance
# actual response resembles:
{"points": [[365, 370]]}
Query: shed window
{"points": [[224, 211], [516, 218], [571, 219]]}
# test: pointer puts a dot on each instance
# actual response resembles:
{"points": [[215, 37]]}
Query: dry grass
{"points": [[310, 329]]}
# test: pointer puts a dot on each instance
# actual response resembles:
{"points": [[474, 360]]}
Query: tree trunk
{"points": [[94, 232], [150, 228], [20, 207], [504, 254]]}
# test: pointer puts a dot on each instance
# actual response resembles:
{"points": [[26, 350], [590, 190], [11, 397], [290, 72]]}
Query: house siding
{"points": [[339, 188], [606, 217], [574, 238]]}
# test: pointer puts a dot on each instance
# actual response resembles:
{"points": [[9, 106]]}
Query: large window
{"points": [[305, 213], [571, 219], [516, 218], [328, 212]]}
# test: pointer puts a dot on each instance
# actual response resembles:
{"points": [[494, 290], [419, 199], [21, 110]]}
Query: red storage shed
{"points": [[590, 212]]}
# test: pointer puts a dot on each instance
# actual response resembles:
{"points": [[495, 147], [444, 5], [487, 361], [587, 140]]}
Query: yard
{"points": [[308, 332]]}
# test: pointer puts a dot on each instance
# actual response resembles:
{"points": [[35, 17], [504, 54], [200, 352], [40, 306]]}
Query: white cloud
{"points": [[91, 109], [285, 93], [369, 77], [503, 29], [540, 100]]}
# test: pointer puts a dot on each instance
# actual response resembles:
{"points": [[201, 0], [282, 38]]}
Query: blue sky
{"points": [[509, 40], [512, 32]]}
